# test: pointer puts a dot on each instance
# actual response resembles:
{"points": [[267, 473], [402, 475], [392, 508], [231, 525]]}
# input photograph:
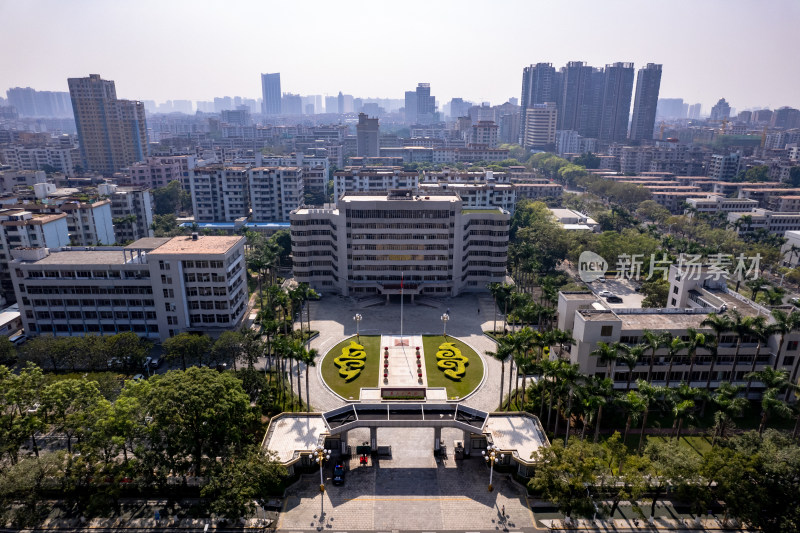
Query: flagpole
{"points": [[401, 308]]}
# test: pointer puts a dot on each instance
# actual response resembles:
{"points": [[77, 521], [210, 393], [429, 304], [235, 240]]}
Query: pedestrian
{"points": [[504, 511]]}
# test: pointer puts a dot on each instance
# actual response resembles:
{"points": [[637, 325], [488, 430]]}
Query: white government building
{"points": [[364, 246]]}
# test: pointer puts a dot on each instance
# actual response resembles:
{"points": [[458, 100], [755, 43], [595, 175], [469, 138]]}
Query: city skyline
{"points": [[158, 62]]}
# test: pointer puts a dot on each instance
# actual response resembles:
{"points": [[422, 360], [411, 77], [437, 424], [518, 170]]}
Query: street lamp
{"points": [[491, 457], [445, 318], [358, 319], [321, 454]]}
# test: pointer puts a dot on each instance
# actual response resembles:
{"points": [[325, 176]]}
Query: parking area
{"points": [[624, 289], [411, 490]]}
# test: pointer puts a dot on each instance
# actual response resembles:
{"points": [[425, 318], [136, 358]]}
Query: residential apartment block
{"points": [[153, 287], [131, 211], [20, 228], [112, 132], [61, 159], [371, 242], [771, 221]]}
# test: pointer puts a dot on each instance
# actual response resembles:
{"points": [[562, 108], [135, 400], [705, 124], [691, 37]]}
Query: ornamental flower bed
{"points": [[451, 361], [352, 361]]}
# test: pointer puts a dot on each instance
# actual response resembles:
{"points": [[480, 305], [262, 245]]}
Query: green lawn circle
{"points": [[370, 375]]}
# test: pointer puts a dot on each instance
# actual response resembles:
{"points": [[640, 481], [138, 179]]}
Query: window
{"points": [[674, 302], [605, 331], [791, 346], [169, 293], [675, 290]]}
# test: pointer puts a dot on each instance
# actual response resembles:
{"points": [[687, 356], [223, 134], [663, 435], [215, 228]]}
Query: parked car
{"points": [[18, 340], [614, 299], [138, 377], [338, 475], [155, 361], [605, 292]]}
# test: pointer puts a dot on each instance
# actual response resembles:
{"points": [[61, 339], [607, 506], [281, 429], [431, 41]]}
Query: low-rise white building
{"points": [[153, 287], [574, 220], [720, 204], [771, 221]]}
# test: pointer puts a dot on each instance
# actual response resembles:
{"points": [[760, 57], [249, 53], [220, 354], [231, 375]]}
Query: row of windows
{"points": [[87, 290], [93, 303], [428, 247], [202, 264], [94, 328], [312, 232], [408, 278], [85, 274], [209, 319], [95, 315], [401, 225], [406, 268], [399, 213], [206, 291], [312, 254], [409, 257], [306, 264]]}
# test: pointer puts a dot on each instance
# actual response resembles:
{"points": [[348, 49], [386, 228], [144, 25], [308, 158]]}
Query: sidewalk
{"points": [[661, 524]]}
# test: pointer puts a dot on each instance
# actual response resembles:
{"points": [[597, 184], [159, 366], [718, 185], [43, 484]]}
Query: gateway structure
{"points": [[410, 241]]}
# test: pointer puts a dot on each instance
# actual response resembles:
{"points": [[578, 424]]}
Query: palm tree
{"points": [[742, 327], [304, 292], [603, 388], [757, 285], [634, 404], [696, 340], [761, 332], [719, 324], [649, 394], [673, 349], [309, 358], [785, 323], [654, 341], [504, 349], [775, 381], [684, 398], [608, 354], [729, 404], [567, 377], [562, 337], [630, 357], [589, 400], [500, 292]]}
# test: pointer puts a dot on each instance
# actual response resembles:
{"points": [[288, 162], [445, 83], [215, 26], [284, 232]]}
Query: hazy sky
{"points": [[743, 50]]}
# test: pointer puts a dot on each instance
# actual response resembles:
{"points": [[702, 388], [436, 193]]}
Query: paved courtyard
{"points": [[412, 490], [470, 315]]}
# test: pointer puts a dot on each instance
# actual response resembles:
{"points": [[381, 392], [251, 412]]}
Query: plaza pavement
{"points": [[412, 490], [470, 315]]}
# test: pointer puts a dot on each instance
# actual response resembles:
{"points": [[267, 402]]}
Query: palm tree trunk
{"points": [[778, 355], [680, 425], [502, 379], [641, 435], [510, 374], [308, 392], [674, 426], [735, 362], [627, 428], [597, 423], [793, 381], [691, 369], [494, 325], [669, 371], [763, 423], [555, 429], [568, 417], [299, 389], [652, 362], [752, 369]]}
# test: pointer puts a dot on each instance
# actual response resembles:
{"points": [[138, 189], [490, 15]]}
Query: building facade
{"points": [[153, 287], [540, 126], [372, 244], [271, 93], [648, 83], [112, 133]]}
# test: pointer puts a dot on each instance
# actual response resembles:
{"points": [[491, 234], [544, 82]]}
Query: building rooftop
{"points": [[148, 243], [205, 244], [521, 433], [86, 257], [289, 434]]}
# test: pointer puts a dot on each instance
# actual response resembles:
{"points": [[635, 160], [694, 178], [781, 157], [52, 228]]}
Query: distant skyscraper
{"points": [[616, 105], [671, 108], [694, 111], [648, 82], [340, 103], [112, 133], [721, 110], [539, 85], [292, 104], [367, 136], [426, 104], [411, 107], [271, 93], [32, 103], [540, 126], [579, 106], [331, 104], [786, 117]]}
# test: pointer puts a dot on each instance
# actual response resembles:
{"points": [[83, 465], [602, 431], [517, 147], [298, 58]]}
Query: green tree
{"points": [[197, 413], [563, 474], [668, 465], [237, 484], [187, 347], [166, 226], [127, 348], [8, 353], [70, 404], [171, 199]]}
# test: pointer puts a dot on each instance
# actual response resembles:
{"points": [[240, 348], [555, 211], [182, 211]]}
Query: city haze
{"points": [[475, 50]]}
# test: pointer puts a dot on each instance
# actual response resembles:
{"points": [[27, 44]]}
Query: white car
{"points": [[605, 293]]}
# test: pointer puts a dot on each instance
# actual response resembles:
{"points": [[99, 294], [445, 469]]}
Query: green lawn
{"points": [[437, 378], [368, 376]]}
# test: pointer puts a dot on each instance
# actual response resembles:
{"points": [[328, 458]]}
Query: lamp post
{"points": [[445, 318], [321, 455], [358, 318], [491, 455]]}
